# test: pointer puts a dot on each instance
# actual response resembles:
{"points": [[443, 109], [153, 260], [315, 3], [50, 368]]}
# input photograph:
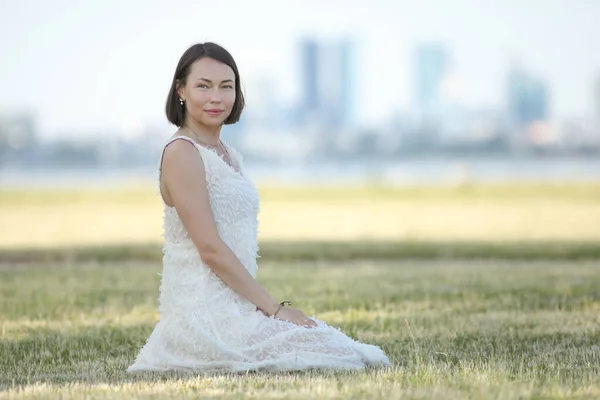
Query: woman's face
{"points": [[209, 92]]}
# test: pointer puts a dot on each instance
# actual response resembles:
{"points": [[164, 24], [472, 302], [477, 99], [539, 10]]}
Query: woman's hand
{"points": [[295, 316]]}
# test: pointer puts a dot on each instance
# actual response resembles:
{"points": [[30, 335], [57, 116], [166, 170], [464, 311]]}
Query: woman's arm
{"points": [[184, 178]]}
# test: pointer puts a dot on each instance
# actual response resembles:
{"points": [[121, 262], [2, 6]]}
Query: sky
{"points": [[89, 65]]}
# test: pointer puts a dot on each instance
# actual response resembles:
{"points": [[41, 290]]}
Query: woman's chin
{"points": [[212, 122]]}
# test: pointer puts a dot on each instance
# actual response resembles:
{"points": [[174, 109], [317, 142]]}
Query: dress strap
{"points": [[162, 153]]}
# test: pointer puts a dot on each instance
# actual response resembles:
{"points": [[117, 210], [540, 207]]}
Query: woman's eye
{"points": [[228, 87], [203, 86]]}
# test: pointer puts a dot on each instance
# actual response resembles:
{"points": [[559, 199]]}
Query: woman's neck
{"points": [[210, 135]]}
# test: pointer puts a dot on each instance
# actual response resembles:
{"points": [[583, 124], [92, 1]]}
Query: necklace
{"points": [[202, 141], [224, 153]]}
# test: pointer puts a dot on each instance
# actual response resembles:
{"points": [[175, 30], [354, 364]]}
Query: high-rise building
{"points": [[347, 93], [431, 65], [327, 81], [527, 97], [309, 54]]}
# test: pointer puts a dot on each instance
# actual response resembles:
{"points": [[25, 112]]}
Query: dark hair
{"points": [[175, 111]]}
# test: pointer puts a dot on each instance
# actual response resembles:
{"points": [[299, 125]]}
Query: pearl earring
{"points": [[180, 101]]}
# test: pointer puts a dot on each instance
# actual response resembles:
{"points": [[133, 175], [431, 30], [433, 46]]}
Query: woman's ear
{"points": [[179, 88]]}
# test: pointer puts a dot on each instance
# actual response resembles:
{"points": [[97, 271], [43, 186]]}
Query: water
{"points": [[431, 170]]}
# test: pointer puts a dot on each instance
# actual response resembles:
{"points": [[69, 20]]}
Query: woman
{"points": [[214, 314]]}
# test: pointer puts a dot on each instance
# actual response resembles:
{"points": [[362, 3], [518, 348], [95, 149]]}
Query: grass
{"points": [[322, 251], [465, 213], [475, 291], [454, 330]]}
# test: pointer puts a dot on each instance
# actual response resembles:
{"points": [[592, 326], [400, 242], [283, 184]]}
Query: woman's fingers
{"points": [[309, 323]]}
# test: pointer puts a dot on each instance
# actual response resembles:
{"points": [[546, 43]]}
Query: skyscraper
{"points": [[327, 81], [527, 97], [309, 54], [431, 64]]}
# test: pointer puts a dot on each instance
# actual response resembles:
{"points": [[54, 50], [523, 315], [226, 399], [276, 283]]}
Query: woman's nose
{"points": [[216, 96]]}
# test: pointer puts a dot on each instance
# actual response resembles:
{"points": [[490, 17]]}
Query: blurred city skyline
{"points": [[90, 66]]}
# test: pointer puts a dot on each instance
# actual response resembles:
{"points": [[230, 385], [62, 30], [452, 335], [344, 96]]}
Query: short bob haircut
{"points": [[175, 111]]}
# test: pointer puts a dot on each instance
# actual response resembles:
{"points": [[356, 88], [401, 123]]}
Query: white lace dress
{"points": [[206, 326]]}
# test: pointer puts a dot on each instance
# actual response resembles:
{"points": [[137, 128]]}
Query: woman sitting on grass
{"points": [[214, 314]]}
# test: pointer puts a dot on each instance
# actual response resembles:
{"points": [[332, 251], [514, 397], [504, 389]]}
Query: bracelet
{"points": [[281, 305]]}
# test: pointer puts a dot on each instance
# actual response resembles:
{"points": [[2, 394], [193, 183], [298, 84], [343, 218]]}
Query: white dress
{"points": [[205, 325]]}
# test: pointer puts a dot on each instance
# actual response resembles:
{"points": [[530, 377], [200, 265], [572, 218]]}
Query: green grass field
{"points": [[475, 291], [454, 330]]}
